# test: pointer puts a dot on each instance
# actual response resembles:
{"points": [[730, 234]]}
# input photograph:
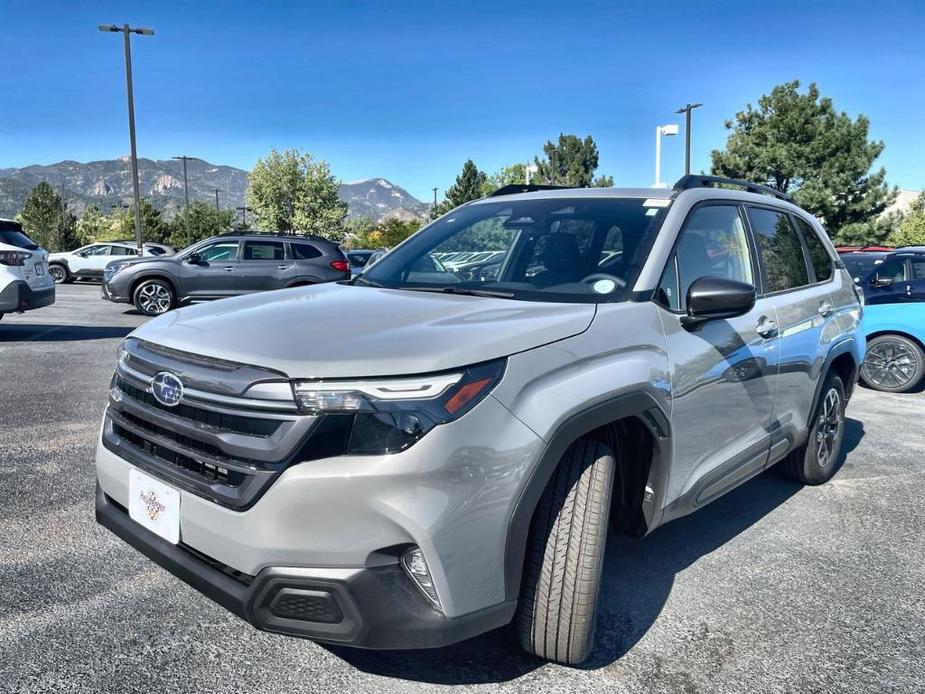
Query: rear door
{"points": [[806, 321], [722, 372], [917, 277], [263, 266], [214, 275]]}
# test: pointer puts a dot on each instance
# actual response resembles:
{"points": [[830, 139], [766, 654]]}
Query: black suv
{"points": [[226, 265]]}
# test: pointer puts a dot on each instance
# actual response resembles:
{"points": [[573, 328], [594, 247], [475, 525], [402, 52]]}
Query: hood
{"points": [[344, 331], [137, 261]]}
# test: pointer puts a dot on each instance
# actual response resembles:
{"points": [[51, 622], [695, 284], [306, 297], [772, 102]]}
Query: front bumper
{"points": [[111, 292], [366, 607], [19, 296]]}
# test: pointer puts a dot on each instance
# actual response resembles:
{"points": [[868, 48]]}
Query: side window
{"points": [[126, 250], [893, 269], [97, 250], [712, 244], [304, 251], [217, 252], [918, 267], [818, 255], [780, 249], [264, 250]]}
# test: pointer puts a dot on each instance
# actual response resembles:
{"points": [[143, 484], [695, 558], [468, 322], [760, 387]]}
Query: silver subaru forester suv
{"points": [[413, 457]]}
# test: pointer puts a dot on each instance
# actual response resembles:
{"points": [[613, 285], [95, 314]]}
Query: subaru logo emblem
{"points": [[167, 389]]}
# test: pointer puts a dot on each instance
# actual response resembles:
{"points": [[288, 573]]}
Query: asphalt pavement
{"points": [[772, 588]]}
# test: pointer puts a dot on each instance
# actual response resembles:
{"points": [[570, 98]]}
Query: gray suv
{"points": [[221, 266], [450, 455]]}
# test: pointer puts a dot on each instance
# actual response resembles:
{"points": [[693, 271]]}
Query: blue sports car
{"points": [[894, 316]]}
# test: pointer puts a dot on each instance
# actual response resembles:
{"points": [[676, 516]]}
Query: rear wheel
{"points": [[816, 461], [893, 363], [154, 297], [59, 273], [557, 611]]}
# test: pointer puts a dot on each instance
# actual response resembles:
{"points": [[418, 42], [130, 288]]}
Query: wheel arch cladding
{"points": [[626, 419], [154, 276], [844, 360]]}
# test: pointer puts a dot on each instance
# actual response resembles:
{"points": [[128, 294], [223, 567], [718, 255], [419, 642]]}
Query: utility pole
{"points": [[127, 31], [217, 191], [686, 110], [435, 198], [186, 219], [244, 210]]}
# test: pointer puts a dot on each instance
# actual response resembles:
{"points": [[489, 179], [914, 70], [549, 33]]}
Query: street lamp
{"points": [[185, 159], [530, 169], [244, 210], [667, 131], [217, 191], [126, 32], [686, 110]]}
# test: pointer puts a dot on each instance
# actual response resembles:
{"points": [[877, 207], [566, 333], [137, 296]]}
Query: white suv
{"points": [[90, 261], [24, 280]]}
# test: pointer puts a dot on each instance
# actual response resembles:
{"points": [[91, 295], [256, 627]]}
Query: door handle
{"points": [[229, 269], [908, 290], [282, 267], [766, 327], [825, 309]]}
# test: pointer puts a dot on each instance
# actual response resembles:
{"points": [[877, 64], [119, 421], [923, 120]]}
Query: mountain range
{"points": [[108, 184]]}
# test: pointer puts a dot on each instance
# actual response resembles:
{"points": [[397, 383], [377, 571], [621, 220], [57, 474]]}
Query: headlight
{"points": [[111, 271], [387, 415]]}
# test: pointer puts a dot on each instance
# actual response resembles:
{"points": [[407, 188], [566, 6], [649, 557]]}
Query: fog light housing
{"points": [[415, 565]]}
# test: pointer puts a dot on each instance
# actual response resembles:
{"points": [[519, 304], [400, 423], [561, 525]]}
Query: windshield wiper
{"points": [[465, 291]]}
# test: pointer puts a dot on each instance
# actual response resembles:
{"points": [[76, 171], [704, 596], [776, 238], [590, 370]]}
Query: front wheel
{"points": [[893, 363], [59, 273], [557, 611], [816, 461], [154, 297]]}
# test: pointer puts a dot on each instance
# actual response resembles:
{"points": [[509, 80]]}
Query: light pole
{"points": [[217, 191], [185, 159], [529, 169], [126, 32], [435, 198], [244, 210], [686, 110], [666, 130]]}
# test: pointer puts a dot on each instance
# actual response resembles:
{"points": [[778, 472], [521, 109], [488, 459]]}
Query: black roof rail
{"points": [[515, 188], [278, 234], [699, 181]]}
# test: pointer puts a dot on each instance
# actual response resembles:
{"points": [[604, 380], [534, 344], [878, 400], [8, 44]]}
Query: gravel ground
{"points": [[772, 588]]}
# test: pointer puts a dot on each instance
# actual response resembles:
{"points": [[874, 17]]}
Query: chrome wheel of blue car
{"points": [[893, 363]]}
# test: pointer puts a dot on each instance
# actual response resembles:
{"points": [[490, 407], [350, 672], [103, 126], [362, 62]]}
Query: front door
{"points": [[722, 372], [213, 274], [889, 284]]}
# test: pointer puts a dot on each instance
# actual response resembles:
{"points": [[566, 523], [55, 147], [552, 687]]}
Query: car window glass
{"points": [[224, 250], [264, 250], [779, 248], [712, 244], [820, 258], [892, 269], [474, 254], [304, 251], [918, 267], [97, 250]]}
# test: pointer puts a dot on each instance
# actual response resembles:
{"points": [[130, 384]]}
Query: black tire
{"points": [[817, 460], [59, 273], [154, 297], [893, 364], [557, 611]]}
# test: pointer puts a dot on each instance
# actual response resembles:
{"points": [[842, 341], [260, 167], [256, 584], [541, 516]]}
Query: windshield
{"points": [[578, 250], [860, 265], [12, 235]]}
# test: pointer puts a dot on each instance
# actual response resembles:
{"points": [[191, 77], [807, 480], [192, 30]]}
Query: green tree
{"points": [[46, 219], [507, 176], [291, 191], [356, 231], [92, 226], [911, 229], [200, 222], [571, 162], [388, 233], [153, 226], [470, 185], [797, 143]]}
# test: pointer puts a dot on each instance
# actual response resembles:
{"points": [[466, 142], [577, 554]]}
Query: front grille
{"points": [[211, 472], [239, 424]]}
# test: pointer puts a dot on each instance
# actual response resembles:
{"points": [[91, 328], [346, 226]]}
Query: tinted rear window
{"points": [[780, 249], [820, 258], [860, 265], [264, 250], [12, 235], [304, 251]]}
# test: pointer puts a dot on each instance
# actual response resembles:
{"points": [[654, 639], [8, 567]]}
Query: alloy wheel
{"points": [[58, 273], [827, 428], [890, 365], [154, 298]]}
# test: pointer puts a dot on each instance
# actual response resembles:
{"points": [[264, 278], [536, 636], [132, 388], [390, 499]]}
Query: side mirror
{"points": [[711, 298], [878, 281], [194, 259]]}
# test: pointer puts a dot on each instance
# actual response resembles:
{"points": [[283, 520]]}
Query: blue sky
{"points": [[410, 90]]}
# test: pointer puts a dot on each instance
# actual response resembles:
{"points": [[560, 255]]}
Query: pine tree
{"points": [[46, 219], [468, 186], [571, 162]]}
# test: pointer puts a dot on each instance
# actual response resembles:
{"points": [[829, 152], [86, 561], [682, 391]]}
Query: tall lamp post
{"points": [[244, 210], [186, 219], [216, 191], [126, 32], [668, 131], [686, 110]]}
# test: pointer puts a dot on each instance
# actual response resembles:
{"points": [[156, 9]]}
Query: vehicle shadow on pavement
{"points": [[638, 578], [36, 332]]}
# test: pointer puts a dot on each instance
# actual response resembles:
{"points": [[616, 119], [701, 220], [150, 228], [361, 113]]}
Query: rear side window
{"points": [[304, 251], [264, 250], [14, 237], [818, 256], [780, 250], [712, 244], [918, 267]]}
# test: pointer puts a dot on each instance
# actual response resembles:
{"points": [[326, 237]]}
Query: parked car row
{"points": [[89, 262]]}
